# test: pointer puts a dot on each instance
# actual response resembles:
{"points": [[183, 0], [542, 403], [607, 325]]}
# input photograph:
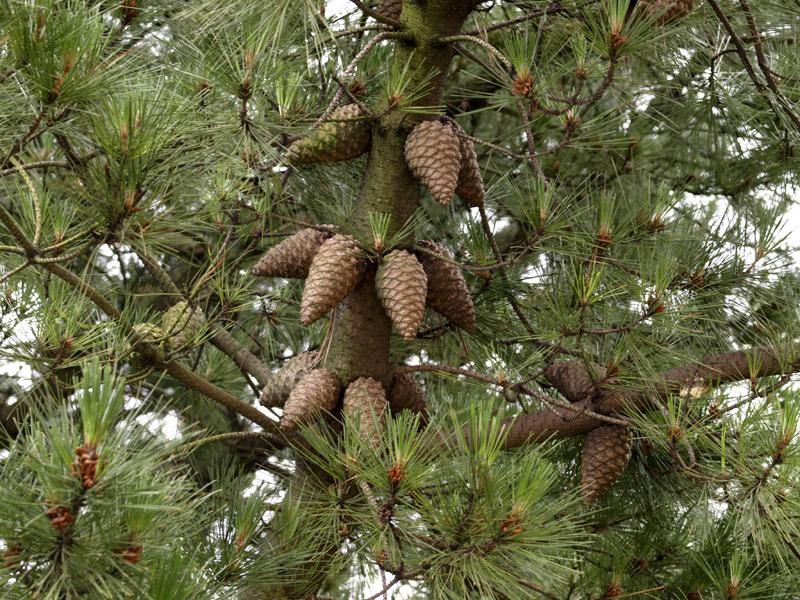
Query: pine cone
{"points": [[404, 394], [434, 157], [401, 284], [470, 182], [181, 323], [447, 291], [364, 399], [391, 9], [335, 272], [317, 390], [573, 379], [292, 257], [284, 381], [339, 138], [666, 11], [605, 454]]}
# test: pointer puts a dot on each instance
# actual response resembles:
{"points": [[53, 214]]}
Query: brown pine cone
{"points": [[447, 290], [391, 9], [573, 379], [335, 271], [317, 390], [666, 11], [292, 257], [605, 454], [181, 323], [284, 381], [434, 157], [470, 182], [401, 285], [404, 394], [339, 138], [365, 400]]}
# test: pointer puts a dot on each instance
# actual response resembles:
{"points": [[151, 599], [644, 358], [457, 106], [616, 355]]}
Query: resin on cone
{"points": [[667, 10], [401, 285], [404, 394], [335, 272], [317, 390], [434, 157], [292, 257], [470, 182], [605, 454], [342, 137], [448, 293], [365, 401], [391, 9], [284, 381], [181, 323]]}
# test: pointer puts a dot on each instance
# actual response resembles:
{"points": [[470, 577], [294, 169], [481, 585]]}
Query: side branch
{"points": [[713, 370]]}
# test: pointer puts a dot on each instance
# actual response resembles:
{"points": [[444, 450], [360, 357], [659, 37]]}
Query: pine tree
{"points": [[540, 253]]}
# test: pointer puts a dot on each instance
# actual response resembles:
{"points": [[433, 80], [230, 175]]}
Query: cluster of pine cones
{"points": [[438, 152], [443, 159], [606, 449], [405, 283], [333, 265], [303, 390]]}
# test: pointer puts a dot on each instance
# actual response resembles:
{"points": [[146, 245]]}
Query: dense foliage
{"points": [[628, 269]]}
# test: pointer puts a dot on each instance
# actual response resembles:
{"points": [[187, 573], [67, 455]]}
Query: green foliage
{"points": [[141, 148]]}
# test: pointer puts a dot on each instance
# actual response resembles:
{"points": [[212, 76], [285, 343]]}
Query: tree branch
{"points": [[713, 370]]}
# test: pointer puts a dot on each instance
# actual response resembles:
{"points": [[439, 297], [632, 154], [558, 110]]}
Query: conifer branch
{"points": [[713, 370]]}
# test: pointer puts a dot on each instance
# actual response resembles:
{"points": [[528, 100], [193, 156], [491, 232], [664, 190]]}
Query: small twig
{"points": [[451, 39], [579, 410], [22, 140], [8, 275], [41, 164], [552, 9], [532, 156], [37, 205], [346, 73]]}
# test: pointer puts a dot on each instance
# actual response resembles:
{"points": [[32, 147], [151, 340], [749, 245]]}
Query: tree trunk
{"points": [[361, 329]]}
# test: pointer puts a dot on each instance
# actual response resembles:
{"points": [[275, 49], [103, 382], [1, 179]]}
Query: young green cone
{"points": [[181, 323], [342, 137]]}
